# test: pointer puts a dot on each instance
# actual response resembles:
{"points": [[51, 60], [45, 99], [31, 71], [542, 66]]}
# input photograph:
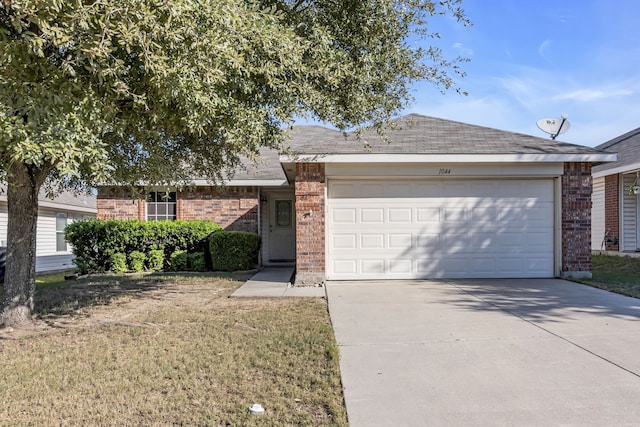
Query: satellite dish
{"points": [[554, 127]]}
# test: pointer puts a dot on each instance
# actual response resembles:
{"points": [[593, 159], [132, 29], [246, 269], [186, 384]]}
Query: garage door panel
{"points": [[402, 266], [511, 241], [428, 267], [421, 229], [372, 241], [371, 216], [343, 241], [482, 215], [510, 266], [400, 240], [539, 265], [538, 241], [400, 216], [484, 265], [344, 266], [428, 240], [372, 266], [427, 215], [455, 214], [343, 216]]}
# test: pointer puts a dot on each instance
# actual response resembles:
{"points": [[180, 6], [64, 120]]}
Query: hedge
{"points": [[234, 250], [95, 241]]}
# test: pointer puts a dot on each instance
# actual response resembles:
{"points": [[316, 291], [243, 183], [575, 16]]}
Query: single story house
{"points": [[616, 200], [439, 199], [52, 251]]}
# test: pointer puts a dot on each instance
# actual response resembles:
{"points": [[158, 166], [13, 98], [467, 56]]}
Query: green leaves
{"points": [[142, 90]]}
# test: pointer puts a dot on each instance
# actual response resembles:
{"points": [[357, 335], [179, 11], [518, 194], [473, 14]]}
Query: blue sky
{"points": [[533, 59]]}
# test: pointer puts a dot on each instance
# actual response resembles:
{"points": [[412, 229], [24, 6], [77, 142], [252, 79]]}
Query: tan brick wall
{"points": [[233, 208], [612, 209], [310, 220], [577, 186]]}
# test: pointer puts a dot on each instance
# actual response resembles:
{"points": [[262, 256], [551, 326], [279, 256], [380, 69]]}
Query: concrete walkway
{"points": [[486, 353], [276, 282]]}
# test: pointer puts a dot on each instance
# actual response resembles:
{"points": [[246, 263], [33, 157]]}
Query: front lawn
{"points": [[616, 274], [170, 350]]}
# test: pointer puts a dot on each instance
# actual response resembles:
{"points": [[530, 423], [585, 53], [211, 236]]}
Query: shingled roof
{"points": [[65, 200], [628, 148], [413, 134], [417, 134]]}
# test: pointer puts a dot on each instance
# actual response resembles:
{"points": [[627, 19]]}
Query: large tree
{"points": [[155, 90]]}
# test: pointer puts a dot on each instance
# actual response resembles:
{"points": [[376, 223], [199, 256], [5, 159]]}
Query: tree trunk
{"points": [[23, 186]]}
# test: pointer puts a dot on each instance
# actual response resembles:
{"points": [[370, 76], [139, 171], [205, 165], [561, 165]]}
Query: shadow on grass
{"points": [[74, 298]]}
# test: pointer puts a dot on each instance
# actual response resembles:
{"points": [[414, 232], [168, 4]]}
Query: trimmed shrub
{"points": [[234, 250], [179, 260], [95, 240], [136, 261], [155, 259], [118, 262], [197, 261]]}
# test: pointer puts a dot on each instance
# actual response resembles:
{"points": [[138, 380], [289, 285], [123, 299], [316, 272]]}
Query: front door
{"points": [[282, 229]]}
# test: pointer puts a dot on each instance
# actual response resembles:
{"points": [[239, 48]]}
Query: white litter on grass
{"points": [[256, 409]]}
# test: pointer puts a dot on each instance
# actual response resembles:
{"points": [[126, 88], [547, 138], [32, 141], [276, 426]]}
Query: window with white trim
{"points": [[61, 224], [161, 206]]}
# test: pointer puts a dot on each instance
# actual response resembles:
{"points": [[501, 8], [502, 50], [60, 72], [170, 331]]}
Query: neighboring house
{"points": [[441, 199], [52, 251], [616, 206]]}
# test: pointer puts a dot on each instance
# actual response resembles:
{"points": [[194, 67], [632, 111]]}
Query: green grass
{"points": [[616, 274], [169, 350], [52, 280]]}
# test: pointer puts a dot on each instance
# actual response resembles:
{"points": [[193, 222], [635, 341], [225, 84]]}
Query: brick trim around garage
{"points": [[310, 223], [577, 187]]}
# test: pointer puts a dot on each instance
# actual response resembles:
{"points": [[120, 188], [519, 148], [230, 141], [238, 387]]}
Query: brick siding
{"points": [[233, 208], [576, 220], [612, 209], [116, 203], [310, 220]]}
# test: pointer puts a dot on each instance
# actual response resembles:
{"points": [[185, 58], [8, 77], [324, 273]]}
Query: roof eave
{"points": [[449, 158], [616, 170], [244, 183]]}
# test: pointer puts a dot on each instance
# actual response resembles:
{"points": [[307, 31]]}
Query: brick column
{"points": [[612, 210], [142, 209], [310, 229], [576, 220]]}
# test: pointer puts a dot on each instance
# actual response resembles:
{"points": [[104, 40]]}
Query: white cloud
{"points": [[463, 50], [590, 94], [544, 47], [597, 113]]}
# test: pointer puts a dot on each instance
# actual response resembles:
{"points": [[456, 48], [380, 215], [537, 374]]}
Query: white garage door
{"points": [[439, 229]]}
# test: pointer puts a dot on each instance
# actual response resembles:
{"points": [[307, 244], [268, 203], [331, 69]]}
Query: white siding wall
{"points": [[47, 258], [3, 224], [628, 233], [597, 214], [46, 239]]}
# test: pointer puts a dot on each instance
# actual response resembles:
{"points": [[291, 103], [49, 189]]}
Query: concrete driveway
{"points": [[487, 352]]}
